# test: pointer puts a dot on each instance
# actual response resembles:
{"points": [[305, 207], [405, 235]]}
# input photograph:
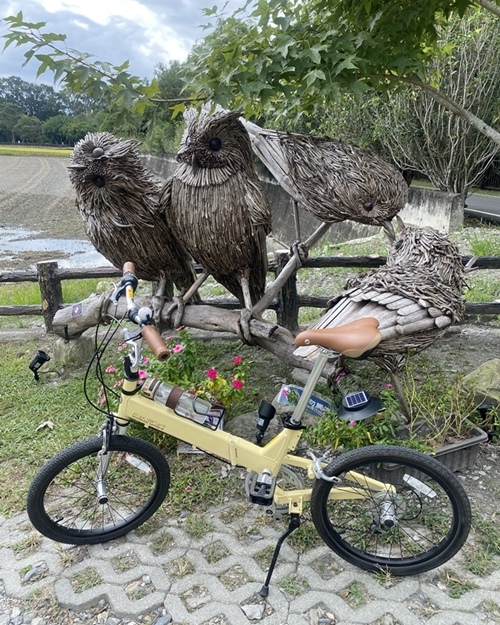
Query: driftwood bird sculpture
{"points": [[415, 297], [217, 207], [333, 180], [118, 200]]}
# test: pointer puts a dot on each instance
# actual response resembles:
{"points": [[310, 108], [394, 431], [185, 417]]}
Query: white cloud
{"points": [[146, 32]]}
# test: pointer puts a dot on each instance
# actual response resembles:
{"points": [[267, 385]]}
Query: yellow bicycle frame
{"points": [[238, 451]]}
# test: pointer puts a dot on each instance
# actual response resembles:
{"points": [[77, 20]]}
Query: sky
{"points": [[146, 32]]}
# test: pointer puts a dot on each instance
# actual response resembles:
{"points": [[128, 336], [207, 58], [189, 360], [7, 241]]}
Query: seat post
{"points": [[312, 380]]}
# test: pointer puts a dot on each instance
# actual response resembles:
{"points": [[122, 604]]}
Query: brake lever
{"points": [[128, 279]]}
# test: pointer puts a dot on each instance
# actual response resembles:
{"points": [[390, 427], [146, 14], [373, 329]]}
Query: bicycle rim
{"points": [[418, 521], [67, 504]]}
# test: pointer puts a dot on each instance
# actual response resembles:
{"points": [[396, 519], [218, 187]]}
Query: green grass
{"points": [[485, 243], [482, 289], [26, 405], [20, 150], [58, 402], [28, 293]]}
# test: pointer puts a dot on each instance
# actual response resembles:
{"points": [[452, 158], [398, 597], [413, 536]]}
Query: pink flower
{"points": [[352, 423], [145, 361], [238, 360], [118, 383], [388, 385], [212, 374], [237, 384], [110, 369], [121, 347], [187, 489], [142, 374], [178, 348], [103, 399]]}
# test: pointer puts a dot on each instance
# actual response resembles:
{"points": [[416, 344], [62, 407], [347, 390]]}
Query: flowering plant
{"points": [[183, 368], [223, 389]]}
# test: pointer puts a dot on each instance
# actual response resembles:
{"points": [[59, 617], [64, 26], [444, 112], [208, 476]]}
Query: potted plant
{"points": [[439, 417]]}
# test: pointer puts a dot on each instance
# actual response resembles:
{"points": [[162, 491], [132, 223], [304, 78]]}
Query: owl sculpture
{"points": [[333, 180], [118, 200], [415, 297], [217, 207]]}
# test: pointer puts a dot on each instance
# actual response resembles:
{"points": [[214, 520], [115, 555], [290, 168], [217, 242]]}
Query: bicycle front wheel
{"points": [[391, 508], [82, 498]]}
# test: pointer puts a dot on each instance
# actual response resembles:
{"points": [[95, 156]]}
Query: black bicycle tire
{"points": [[54, 530], [412, 565]]}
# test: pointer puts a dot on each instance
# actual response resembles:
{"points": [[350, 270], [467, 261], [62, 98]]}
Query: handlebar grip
{"points": [[155, 342], [128, 267]]}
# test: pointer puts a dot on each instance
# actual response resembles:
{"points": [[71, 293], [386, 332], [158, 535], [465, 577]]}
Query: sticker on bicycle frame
{"points": [[138, 464], [419, 486], [77, 310]]}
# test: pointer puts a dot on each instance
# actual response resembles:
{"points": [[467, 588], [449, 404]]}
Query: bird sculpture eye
{"points": [[99, 181], [215, 144], [398, 244]]}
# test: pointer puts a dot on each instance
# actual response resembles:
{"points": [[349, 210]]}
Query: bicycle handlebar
{"points": [[155, 342], [150, 334]]}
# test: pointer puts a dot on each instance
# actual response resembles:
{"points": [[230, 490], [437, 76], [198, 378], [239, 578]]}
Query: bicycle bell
{"points": [[358, 406]]}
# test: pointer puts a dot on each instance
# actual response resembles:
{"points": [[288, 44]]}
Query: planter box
{"points": [[462, 454]]}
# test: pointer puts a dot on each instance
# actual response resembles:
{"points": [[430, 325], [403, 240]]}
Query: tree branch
{"points": [[449, 105], [489, 6]]}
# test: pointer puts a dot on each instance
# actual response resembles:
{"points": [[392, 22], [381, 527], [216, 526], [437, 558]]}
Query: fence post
{"points": [[50, 289], [288, 309]]}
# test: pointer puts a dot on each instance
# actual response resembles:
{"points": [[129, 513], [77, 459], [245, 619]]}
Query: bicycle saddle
{"points": [[353, 339]]}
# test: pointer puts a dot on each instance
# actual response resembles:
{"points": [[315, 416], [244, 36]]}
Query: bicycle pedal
{"points": [[262, 487]]}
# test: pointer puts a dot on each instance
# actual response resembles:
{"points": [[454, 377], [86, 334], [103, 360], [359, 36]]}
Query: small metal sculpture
{"points": [[216, 205], [415, 297], [118, 200]]}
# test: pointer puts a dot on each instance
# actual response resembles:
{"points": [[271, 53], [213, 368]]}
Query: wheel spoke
{"points": [[65, 503], [407, 512]]}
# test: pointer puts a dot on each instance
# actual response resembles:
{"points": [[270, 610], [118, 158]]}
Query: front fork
{"points": [[114, 426]]}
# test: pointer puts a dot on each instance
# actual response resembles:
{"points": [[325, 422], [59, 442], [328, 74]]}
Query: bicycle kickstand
{"points": [[292, 526]]}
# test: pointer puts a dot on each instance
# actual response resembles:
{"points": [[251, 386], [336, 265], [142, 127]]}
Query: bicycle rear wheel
{"points": [[69, 502], [396, 510]]}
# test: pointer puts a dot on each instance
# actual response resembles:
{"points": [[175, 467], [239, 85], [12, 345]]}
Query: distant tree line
{"points": [[37, 113], [418, 83]]}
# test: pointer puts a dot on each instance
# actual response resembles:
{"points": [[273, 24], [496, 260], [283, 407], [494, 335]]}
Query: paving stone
{"points": [[223, 585]]}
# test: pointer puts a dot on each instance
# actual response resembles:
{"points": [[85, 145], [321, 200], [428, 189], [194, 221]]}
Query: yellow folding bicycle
{"points": [[379, 507]]}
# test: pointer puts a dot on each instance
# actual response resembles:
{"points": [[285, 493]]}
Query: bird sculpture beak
{"points": [[389, 230], [195, 163], [77, 167]]}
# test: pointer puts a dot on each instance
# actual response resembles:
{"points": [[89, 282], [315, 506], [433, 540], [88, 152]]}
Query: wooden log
{"points": [[51, 290], [71, 321], [411, 318], [419, 326], [18, 276], [400, 303], [288, 311], [15, 311]]}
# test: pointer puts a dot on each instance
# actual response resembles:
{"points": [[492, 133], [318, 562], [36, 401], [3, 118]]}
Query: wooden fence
{"points": [[287, 305]]}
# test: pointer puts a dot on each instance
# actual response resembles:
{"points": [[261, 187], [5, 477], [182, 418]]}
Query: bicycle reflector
{"points": [[359, 405], [40, 359]]}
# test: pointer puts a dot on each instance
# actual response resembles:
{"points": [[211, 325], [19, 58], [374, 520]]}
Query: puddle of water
{"points": [[68, 252]]}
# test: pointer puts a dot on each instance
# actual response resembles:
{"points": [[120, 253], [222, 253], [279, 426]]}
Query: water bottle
{"points": [[183, 403]]}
